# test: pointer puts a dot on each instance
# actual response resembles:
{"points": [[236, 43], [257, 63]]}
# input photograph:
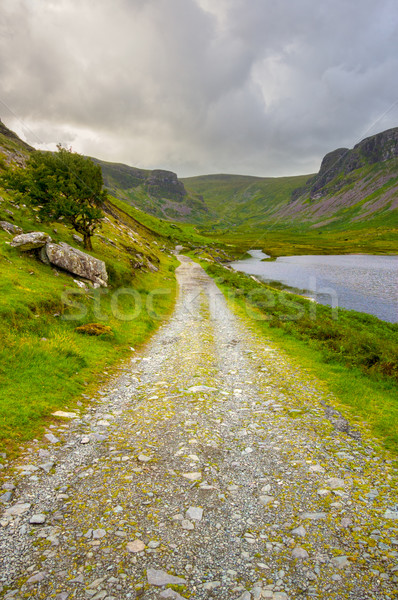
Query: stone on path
{"points": [[98, 534], [171, 594], [51, 438], [193, 476], [136, 546], [38, 519], [65, 415], [187, 525], [335, 483], [300, 553], [314, 516], [160, 578], [201, 388], [391, 514], [36, 578], [300, 531], [144, 458], [340, 562], [195, 513], [17, 510], [265, 500]]}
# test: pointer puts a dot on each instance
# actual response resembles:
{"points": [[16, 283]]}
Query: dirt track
{"points": [[212, 460]]}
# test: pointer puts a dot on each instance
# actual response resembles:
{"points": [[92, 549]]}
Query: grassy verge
{"points": [[355, 354], [46, 363]]}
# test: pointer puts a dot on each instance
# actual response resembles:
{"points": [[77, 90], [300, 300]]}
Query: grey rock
{"points": [[98, 534], [51, 438], [6, 497], [171, 594], [300, 531], [77, 262], [211, 585], [10, 227], [391, 514], [300, 553], [36, 578], [47, 466], [195, 513], [160, 578], [265, 500], [201, 388], [314, 516], [77, 238], [30, 241], [340, 562], [17, 510], [245, 596], [38, 519]]}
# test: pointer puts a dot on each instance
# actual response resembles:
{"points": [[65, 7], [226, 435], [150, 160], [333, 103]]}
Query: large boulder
{"points": [[10, 227], [30, 241], [77, 262]]}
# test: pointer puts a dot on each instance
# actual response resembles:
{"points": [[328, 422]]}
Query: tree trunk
{"points": [[87, 241]]}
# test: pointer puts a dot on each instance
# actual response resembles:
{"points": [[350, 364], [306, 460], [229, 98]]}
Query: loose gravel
{"points": [[211, 467]]}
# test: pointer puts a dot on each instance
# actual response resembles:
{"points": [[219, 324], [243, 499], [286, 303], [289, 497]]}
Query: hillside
{"points": [[158, 192]]}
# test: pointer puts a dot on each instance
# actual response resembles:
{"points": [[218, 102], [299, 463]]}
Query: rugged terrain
{"points": [[211, 467]]}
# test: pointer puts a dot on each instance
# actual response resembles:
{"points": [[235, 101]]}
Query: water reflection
{"points": [[361, 282]]}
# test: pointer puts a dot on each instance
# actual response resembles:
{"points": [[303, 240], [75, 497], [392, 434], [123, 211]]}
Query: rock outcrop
{"points": [[30, 241], [376, 148], [165, 184], [11, 228], [77, 262]]}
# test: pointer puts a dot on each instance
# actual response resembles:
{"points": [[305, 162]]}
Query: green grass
{"points": [[356, 355], [45, 364]]}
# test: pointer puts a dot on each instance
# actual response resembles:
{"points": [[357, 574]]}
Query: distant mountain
{"points": [[12, 148], [158, 192]]}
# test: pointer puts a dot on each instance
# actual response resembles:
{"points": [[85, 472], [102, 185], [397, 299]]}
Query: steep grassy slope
{"points": [[159, 193], [237, 199], [46, 362]]}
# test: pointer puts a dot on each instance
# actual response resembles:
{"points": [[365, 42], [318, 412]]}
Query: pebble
{"points": [[159, 578], [17, 510], [195, 513], [187, 525], [299, 553], [51, 438], [38, 519], [136, 546], [300, 531], [98, 534]]}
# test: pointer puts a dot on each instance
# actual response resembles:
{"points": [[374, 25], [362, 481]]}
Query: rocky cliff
{"points": [[339, 163]]}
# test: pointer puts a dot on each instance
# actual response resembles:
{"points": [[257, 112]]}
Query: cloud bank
{"points": [[200, 86]]}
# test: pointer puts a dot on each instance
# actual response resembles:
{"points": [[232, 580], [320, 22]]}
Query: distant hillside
{"points": [[12, 148], [358, 185], [239, 199], [159, 193]]}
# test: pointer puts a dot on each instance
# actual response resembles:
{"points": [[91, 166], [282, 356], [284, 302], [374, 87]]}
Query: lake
{"points": [[361, 282]]}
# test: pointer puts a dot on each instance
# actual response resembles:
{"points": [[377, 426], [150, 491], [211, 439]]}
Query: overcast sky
{"points": [[260, 87]]}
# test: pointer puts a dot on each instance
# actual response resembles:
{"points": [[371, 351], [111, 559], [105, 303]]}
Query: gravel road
{"points": [[211, 466]]}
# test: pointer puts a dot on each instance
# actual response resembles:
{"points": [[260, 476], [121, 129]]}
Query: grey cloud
{"points": [[197, 86]]}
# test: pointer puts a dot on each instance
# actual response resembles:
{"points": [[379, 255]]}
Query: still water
{"points": [[361, 282]]}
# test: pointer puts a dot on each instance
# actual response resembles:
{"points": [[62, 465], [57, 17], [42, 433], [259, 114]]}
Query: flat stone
{"points": [[47, 466], [17, 510], [144, 458], [136, 546], [6, 497], [340, 562], [195, 389], [265, 500], [36, 578], [99, 534], [171, 594], [245, 596], [160, 578], [316, 469], [314, 516], [335, 483], [195, 513], [38, 519], [30, 241], [65, 415], [51, 438], [390, 514], [300, 531], [85, 440], [280, 596], [300, 553], [211, 585], [192, 476], [185, 524]]}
